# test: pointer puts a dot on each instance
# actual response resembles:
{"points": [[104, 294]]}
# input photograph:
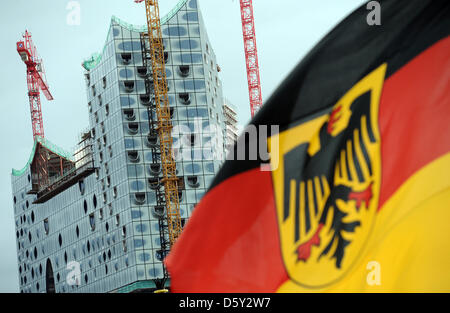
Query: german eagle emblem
{"points": [[327, 184]]}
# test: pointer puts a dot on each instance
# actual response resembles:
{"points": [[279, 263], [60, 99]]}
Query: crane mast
{"points": [[170, 180], [251, 56], [35, 80]]}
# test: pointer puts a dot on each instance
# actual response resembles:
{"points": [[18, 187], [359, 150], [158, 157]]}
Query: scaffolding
{"points": [[155, 182], [164, 123], [52, 173]]}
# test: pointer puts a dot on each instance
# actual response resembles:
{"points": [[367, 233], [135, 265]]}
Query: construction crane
{"points": [[35, 80], [251, 56], [161, 102]]}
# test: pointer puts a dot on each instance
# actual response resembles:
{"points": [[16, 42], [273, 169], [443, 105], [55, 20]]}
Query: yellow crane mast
{"points": [[170, 180]]}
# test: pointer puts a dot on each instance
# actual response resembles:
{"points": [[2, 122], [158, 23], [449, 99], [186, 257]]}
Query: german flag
{"points": [[356, 194]]}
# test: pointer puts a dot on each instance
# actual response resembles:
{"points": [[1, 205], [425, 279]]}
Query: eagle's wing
{"points": [[353, 163]]}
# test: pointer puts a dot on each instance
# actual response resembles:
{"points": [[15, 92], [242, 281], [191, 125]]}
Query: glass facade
{"points": [[106, 222]]}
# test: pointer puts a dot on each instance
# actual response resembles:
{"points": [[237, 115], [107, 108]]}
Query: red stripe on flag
{"points": [[415, 116], [231, 243]]}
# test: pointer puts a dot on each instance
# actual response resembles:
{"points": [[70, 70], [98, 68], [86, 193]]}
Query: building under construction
{"points": [[101, 210], [231, 124]]}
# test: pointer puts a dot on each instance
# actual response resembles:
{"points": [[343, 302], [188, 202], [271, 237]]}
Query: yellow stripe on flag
{"points": [[409, 248]]}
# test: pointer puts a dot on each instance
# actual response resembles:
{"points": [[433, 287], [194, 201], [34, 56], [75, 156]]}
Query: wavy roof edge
{"points": [[47, 144], [96, 57]]}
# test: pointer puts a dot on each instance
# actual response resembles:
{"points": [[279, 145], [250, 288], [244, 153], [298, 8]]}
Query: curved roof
{"points": [[47, 144], [95, 58]]}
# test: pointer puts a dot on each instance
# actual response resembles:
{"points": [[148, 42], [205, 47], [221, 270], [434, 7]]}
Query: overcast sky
{"points": [[285, 30]]}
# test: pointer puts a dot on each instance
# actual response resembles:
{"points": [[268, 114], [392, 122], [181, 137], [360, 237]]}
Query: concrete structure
{"points": [[231, 123], [95, 211]]}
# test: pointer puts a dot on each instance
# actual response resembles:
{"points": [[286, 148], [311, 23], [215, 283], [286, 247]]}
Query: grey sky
{"points": [[285, 30]]}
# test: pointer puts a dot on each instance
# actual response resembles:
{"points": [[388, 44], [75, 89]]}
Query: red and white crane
{"points": [[251, 56], [35, 80]]}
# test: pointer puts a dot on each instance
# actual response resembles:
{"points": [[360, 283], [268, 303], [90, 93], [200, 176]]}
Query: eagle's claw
{"points": [[362, 196]]}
